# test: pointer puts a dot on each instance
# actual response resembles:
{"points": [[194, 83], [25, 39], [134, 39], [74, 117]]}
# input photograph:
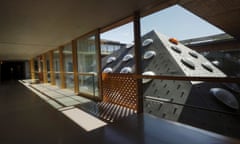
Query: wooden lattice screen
{"points": [[120, 89]]}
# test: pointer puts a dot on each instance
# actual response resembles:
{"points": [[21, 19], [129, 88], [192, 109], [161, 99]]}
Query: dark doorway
{"points": [[12, 70]]}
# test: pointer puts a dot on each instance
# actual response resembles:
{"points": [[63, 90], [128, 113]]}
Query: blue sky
{"points": [[174, 21]]}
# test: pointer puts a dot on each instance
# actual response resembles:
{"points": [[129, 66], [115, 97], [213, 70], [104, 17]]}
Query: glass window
{"points": [[171, 34], [87, 65], [48, 67], [36, 67], [117, 49], [56, 67], [68, 66]]}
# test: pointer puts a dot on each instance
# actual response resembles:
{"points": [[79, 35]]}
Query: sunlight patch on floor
{"points": [[83, 119]]}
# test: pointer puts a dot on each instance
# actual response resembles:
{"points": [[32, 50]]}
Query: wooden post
{"points": [[138, 60], [52, 74], [44, 62], [75, 66], [62, 69]]}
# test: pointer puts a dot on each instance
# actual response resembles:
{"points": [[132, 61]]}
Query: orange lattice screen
{"points": [[120, 89]]}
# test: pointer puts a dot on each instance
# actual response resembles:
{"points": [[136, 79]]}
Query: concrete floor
{"points": [[25, 118]]}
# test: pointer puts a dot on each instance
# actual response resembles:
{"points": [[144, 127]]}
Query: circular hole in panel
{"points": [[126, 70], [111, 59], [108, 70], [149, 54], [207, 66], [129, 46], [216, 62], [127, 57], [147, 42], [176, 49], [225, 97], [193, 54], [147, 73], [187, 62]]}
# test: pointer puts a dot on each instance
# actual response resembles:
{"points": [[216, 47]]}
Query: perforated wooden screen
{"points": [[120, 89]]}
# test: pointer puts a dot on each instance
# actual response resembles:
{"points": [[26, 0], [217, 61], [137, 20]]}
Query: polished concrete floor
{"points": [[25, 118]]}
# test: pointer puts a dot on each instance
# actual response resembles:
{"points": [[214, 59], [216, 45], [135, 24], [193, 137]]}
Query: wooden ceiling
{"points": [[29, 28]]}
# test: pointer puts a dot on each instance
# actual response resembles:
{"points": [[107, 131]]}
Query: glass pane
{"points": [[88, 84], [228, 61], [36, 63], [36, 75], [48, 67], [168, 40], [117, 50], [87, 65], [56, 62], [69, 81], [68, 66], [67, 54], [171, 56], [207, 105], [58, 79]]}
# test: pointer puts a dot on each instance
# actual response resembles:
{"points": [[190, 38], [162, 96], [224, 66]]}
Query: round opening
{"points": [[149, 54], [111, 59], [126, 70], [216, 63], [207, 66], [147, 42], [129, 46], [108, 70], [176, 49], [144, 81], [127, 57], [226, 97], [193, 54], [187, 62]]}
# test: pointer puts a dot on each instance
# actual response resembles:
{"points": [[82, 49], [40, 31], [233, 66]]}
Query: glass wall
{"points": [[87, 65], [117, 50], [56, 67], [68, 66], [196, 103], [48, 67], [36, 68]]}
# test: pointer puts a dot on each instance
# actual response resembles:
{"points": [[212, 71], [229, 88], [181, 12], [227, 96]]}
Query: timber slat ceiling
{"points": [[29, 28]]}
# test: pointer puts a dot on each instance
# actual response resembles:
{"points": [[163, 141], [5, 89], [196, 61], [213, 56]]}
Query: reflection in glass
{"points": [[108, 70], [111, 59], [68, 66], [147, 42], [69, 81], [56, 63], [56, 67], [150, 73], [87, 65], [149, 54], [58, 79], [48, 68], [127, 57], [126, 70]]}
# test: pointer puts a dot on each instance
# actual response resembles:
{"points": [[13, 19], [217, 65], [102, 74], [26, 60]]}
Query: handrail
{"points": [[87, 74], [163, 100], [180, 78]]}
